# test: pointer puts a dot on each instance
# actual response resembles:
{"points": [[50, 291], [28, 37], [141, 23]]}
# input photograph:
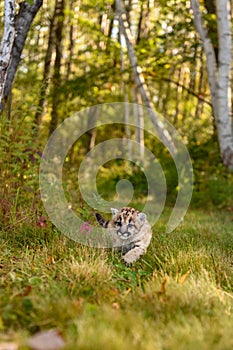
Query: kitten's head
{"points": [[127, 221]]}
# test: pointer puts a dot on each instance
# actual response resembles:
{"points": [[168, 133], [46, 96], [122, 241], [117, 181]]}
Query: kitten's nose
{"points": [[123, 228]]}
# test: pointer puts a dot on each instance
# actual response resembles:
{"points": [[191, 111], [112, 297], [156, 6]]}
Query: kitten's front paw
{"points": [[129, 259]]}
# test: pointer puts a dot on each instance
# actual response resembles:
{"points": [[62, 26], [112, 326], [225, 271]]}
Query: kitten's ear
{"points": [[142, 217], [114, 211]]}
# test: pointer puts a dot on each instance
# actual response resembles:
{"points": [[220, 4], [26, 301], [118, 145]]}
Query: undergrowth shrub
{"points": [[213, 182], [19, 164]]}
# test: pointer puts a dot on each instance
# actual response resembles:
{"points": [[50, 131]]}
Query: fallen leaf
{"points": [[163, 289], [8, 346], [184, 277], [46, 340], [115, 306], [50, 260], [1, 324]]}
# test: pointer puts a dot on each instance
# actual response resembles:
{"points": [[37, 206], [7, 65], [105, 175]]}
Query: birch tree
{"points": [[219, 74], [164, 135], [16, 27], [6, 44]]}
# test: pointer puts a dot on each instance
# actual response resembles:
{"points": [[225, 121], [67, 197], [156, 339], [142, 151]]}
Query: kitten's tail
{"points": [[100, 219]]}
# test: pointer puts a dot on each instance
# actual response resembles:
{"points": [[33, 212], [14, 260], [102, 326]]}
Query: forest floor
{"points": [[178, 296]]}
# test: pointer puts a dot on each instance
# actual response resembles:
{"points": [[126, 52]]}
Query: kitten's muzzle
{"points": [[123, 232]]}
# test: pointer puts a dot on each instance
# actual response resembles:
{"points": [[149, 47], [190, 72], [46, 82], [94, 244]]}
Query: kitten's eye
{"points": [[118, 223], [130, 225]]}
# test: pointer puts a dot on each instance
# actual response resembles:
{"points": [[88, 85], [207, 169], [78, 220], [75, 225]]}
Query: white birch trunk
{"points": [[140, 82], [219, 75], [16, 28], [6, 44], [126, 104], [27, 12], [225, 129], [139, 121]]}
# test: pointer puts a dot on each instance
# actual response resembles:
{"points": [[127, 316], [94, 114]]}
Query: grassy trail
{"points": [[178, 296]]}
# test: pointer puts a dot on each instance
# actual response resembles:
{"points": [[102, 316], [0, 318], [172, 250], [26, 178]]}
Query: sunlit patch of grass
{"points": [[178, 314], [179, 295]]}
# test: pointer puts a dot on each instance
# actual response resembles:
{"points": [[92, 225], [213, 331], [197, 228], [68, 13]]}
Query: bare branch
{"points": [[200, 98]]}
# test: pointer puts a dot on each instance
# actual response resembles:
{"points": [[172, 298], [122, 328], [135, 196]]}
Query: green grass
{"points": [[178, 296]]}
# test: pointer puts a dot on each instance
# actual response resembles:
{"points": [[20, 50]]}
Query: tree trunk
{"points": [[23, 22], [6, 45], [93, 115], [179, 91], [144, 21], [212, 26], [140, 82], [201, 88], [47, 66], [126, 101], [219, 75], [224, 121], [71, 41], [57, 66], [139, 121]]}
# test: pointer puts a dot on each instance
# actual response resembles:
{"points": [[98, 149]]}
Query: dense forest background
{"points": [[75, 57]]}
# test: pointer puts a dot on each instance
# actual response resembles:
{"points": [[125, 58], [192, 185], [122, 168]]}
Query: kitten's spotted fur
{"points": [[130, 231]]}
